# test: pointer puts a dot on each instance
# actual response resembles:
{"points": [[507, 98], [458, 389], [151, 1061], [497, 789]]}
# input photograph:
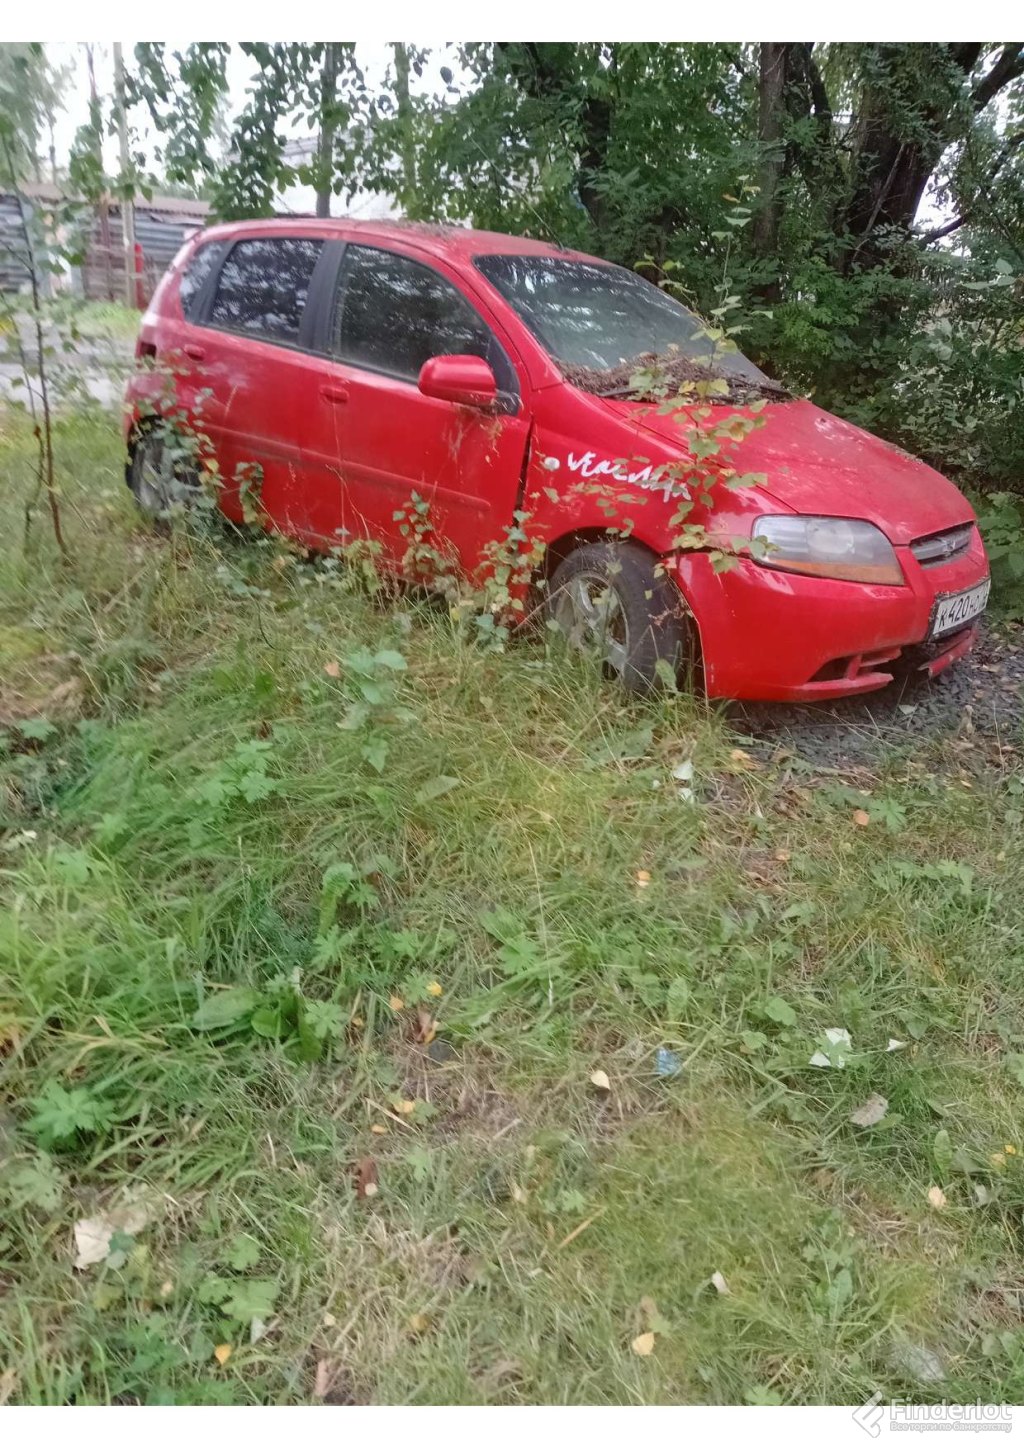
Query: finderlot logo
{"points": [[869, 1415], [932, 1417]]}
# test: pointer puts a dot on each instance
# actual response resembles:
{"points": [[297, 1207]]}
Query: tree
{"points": [[31, 88]]}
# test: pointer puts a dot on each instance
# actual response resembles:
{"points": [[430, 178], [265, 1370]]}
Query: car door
{"points": [[391, 314], [256, 343]]}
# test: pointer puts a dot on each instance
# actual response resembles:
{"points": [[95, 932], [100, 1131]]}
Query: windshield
{"points": [[600, 316]]}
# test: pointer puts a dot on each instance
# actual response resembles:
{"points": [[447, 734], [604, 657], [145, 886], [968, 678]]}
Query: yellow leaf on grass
{"points": [[643, 1345], [379, 1129], [332, 670], [435, 988], [643, 879], [405, 1108], [600, 1080], [861, 817], [937, 1198], [419, 1322], [222, 1352], [396, 1003]]}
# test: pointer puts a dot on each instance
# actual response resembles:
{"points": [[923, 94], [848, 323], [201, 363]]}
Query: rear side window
{"points": [[393, 315], [193, 278], [263, 286]]}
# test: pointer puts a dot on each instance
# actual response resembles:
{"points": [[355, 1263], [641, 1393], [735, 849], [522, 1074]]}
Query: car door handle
{"points": [[196, 353], [334, 394]]}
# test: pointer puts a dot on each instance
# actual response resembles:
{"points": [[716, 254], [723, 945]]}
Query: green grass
{"points": [[192, 803]]}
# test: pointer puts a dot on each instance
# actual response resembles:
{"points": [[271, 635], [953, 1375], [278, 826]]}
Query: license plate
{"points": [[954, 610]]}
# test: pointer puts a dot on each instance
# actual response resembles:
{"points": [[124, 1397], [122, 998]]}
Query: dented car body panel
{"points": [[340, 441]]}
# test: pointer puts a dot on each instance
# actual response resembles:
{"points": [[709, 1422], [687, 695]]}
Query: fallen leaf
{"points": [[871, 1113], [838, 1042], [330, 1320], [643, 1345], [435, 988], [396, 1003], [424, 1027], [435, 788], [419, 1322], [93, 1234], [783, 856], [166, 1288], [600, 1080], [861, 817], [222, 1352], [916, 1361], [895, 1045], [379, 1129], [333, 670], [684, 774], [643, 879], [720, 1285], [936, 1198], [405, 1108], [366, 1177]]}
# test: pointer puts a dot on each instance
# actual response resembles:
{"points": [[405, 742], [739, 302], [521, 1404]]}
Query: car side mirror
{"points": [[459, 378]]}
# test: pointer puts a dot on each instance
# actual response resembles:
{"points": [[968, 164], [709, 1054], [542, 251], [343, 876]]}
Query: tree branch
{"points": [[1008, 66]]}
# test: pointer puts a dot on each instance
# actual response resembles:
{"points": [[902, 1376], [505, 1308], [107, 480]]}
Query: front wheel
{"points": [[610, 600]]}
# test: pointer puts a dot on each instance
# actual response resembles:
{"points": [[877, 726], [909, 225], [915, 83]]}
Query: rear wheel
{"points": [[160, 480], [608, 601]]}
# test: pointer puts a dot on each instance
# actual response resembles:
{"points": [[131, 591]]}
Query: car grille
{"points": [[941, 547]]}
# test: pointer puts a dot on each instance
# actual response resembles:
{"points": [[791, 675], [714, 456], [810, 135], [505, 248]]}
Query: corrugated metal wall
{"points": [[159, 233], [160, 237], [13, 272]]}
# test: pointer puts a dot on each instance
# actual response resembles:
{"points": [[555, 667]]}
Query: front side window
{"points": [[588, 315], [263, 286], [394, 314]]}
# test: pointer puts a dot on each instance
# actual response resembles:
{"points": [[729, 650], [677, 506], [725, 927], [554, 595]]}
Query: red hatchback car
{"points": [[350, 366]]}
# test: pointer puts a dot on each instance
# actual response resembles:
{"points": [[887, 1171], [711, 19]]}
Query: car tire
{"points": [[160, 483], [610, 599]]}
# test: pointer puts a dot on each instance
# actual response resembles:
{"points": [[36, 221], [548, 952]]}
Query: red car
{"points": [[350, 366]]}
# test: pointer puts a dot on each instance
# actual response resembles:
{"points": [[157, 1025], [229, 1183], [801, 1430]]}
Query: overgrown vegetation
{"points": [[639, 152], [378, 1021]]}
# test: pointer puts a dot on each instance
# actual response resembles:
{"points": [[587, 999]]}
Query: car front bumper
{"points": [[766, 634]]}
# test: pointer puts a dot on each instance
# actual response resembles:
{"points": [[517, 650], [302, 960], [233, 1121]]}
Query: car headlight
{"points": [[845, 548]]}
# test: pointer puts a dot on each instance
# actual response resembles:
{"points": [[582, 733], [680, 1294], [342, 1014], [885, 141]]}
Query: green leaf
{"points": [[942, 1152], [778, 1010], [37, 729], [61, 1114], [34, 1183], [243, 1253], [225, 1008], [253, 1297]]}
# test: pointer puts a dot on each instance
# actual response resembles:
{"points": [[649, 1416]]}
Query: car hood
{"points": [[816, 463]]}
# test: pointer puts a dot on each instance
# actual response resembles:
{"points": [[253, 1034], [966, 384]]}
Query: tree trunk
{"points": [[771, 110], [328, 121], [408, 196]]}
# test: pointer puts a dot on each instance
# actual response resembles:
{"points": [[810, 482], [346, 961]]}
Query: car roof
{"points": [[460, 243]]}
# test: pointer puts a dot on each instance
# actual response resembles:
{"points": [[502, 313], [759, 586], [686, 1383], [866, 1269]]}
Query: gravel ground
{"points": [[981, 697]]}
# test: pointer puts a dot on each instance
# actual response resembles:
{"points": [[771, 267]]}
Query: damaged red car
{"points": [[354, 368]]}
